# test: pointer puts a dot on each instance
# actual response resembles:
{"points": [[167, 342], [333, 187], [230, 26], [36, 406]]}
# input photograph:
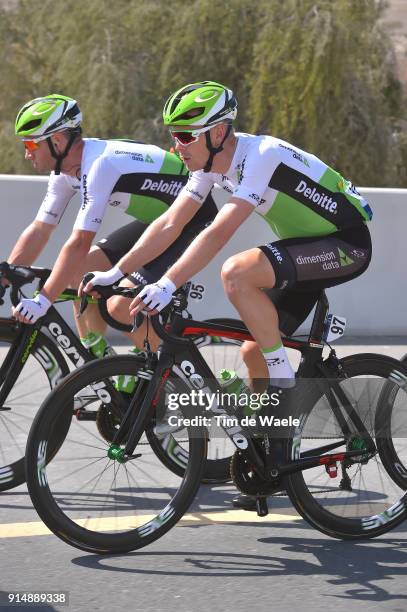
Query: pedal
{"points": [[332, 470], [85, 415], [262, 508]]}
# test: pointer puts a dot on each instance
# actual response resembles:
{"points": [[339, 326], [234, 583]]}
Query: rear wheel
{"points": [[350, 498], [391, 427]]}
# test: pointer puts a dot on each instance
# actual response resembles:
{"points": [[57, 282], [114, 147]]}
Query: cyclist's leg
{"points": [[244, 275], [256, 366], [91, 320], [301, 264]]}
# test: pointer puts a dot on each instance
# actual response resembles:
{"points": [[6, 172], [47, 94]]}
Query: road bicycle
{"points": [[115, 497], [34, 359]]}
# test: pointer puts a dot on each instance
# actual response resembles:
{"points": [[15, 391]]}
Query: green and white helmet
{"points": [[41, 117], [205, 104]]}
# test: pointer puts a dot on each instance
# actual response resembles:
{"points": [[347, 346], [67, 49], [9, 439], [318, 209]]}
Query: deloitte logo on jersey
{"points": [[321, 199], [172, 188]]}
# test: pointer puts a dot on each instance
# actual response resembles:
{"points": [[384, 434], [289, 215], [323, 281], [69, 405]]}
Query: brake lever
{"points": [[84, 299], [3, 289]]}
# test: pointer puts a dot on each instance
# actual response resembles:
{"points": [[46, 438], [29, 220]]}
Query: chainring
{"points": [[247, 480], [107, 423]]}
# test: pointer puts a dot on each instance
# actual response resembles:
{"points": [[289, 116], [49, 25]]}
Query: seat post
{"points": [[318, 323]]}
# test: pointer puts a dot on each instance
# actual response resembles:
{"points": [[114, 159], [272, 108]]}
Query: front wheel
{"points": [[40, 370], [349, 498], [86, 493]]}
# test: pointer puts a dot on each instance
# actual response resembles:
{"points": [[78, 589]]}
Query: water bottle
{"points": [[233, 384]]}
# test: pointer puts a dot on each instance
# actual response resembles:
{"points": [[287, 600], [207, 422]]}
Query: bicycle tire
{"points": [[51, 482], [391, 430], [43, 369], [304, 487]]}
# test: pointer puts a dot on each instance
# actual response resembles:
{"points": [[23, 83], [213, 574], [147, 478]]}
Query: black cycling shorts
{"points": [[119, 242], [305, 266]]}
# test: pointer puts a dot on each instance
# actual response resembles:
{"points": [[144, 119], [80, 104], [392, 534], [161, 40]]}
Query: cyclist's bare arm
{"points": [[160, 234], [156, 238], [31, 243], [210, 241], [204, 247], [69, 261]]}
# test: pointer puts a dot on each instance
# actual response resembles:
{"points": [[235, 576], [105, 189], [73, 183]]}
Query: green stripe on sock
{"points": [[273, 348]]}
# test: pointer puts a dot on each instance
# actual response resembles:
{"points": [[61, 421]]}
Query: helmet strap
{"points": [[60, 158], [214, 150]]}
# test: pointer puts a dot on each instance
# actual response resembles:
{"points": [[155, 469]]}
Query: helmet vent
{"points": [[30, 125], [194, 112]]}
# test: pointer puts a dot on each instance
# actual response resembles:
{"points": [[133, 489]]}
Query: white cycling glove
{"points": [[110, 277], [158, 295], [33, 309]]}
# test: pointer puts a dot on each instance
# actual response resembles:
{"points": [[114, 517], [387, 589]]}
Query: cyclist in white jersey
{"points": [[142, 180], [318, 216]]}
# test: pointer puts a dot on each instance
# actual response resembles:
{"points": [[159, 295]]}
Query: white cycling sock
{"points": [[280, 371]]}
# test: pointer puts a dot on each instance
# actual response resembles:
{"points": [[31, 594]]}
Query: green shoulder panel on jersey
{"points": [[333, 181], [172, 164]]}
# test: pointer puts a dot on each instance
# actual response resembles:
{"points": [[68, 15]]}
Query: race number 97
{"points": [[335, 327]]}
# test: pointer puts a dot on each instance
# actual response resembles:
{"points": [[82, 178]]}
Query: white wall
{"points": [[374, 304]]}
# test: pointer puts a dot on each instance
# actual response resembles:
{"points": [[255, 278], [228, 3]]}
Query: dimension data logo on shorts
{"points": [[321, 199], [327, 259], [172, 187]]}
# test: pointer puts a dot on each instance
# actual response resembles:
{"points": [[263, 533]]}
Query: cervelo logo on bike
{"points": [[321, 199], [65, 343], [172, 187], [71, 351], [196, 380]]}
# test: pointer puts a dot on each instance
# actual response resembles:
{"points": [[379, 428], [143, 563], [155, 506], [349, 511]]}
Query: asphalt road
{"points": [[215, 558]]}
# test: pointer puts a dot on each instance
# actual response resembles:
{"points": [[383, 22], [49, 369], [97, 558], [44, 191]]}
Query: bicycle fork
{"points": [[15, 361]]}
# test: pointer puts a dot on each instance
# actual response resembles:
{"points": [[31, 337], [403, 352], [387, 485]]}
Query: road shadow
{"points": [[356, 566]]}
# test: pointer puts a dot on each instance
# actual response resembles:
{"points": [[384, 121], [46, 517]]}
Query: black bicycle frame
{"points": [[26, 341], [178, 349]]}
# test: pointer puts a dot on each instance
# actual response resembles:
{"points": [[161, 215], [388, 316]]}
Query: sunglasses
{"points": [[31, 145], [187, 137]]}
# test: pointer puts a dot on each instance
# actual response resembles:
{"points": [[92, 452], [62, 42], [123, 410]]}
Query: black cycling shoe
{"points": [[244, 502], [270, 416], [248, 502]]}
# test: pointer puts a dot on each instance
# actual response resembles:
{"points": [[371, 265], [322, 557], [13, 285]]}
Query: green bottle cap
{"points": [[226, 374]]}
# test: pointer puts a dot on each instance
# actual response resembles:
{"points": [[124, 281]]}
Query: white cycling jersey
{"points": [[141, 179], [296, 193]]}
